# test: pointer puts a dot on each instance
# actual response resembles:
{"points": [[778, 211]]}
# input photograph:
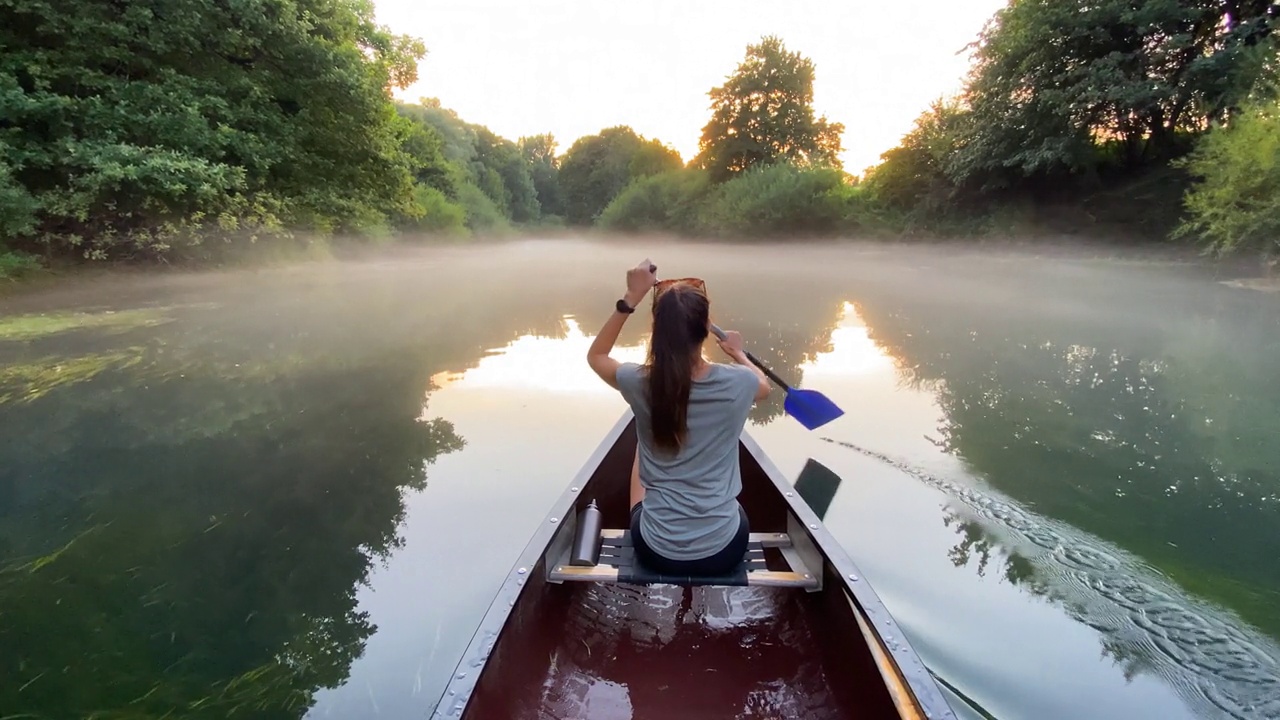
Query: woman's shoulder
{"points": [[730, 373], [629, 374], [630, 368]]}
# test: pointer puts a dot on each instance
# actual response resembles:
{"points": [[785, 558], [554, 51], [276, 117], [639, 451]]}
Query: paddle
{"points": [[817, 485], [810, 407]]}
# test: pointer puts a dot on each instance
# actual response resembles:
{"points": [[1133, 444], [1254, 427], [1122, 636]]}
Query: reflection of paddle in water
{"points": [[1217, 663]]}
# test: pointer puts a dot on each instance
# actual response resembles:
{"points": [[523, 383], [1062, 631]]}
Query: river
{"points": [[292, 492]]}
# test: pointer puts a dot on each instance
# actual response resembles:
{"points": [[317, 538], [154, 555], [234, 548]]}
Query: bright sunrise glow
{"points": [[853, 352], [558, 364], [524, 67]]}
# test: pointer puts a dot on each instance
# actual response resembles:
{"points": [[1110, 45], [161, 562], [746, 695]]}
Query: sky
{"points": [[573, 67]]}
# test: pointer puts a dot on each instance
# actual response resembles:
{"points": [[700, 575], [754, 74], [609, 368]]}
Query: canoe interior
{"points": [[618, 651]]}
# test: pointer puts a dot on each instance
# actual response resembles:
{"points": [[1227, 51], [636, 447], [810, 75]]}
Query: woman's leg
{"points": [[637, 490]]}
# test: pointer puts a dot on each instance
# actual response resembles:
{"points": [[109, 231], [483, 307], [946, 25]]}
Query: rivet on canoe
{"points": [[790, 494], [522, 571], [554, 521], [461, 675], [573, 489], [853, 577], [813, 526], [807, 576]]}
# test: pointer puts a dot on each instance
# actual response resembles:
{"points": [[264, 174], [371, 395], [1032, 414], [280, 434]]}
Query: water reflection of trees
{"points": [[206, 573], [1154, 435], [184, 535], [188, 507]]}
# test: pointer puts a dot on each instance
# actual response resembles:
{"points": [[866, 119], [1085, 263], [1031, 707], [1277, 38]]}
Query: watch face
{"points": [[623, 307]]}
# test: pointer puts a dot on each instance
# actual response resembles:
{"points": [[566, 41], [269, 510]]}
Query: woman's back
{"points": [[690, 502]]}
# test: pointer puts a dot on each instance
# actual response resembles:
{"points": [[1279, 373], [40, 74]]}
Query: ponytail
{"points": [[680, 317]]}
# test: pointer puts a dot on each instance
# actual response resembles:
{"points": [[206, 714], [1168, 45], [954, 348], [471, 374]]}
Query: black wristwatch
{"points": [[623, 307]]}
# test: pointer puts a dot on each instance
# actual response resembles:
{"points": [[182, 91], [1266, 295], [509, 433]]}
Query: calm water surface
{"points": [[292, 493]]}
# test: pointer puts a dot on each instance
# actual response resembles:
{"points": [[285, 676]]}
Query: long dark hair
{"points": [[680, 318]]}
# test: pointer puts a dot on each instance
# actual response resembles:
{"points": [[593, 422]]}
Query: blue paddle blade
{"points": [[811, 408]]}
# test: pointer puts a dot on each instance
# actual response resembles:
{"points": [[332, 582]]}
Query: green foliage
{"points": [[506, 176], [124, 122], [440, 215], [913, 175], [764, 113], [766, 201], [423, 147], [482, 214], [539, 152], [598, 167], [1051, 78], [16, 264], [1074, 116], [474, 162], [779, 199], [1236, 204], [669, 202], [17, 207]]}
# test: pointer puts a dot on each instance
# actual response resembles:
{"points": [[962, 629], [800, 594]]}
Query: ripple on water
{"points": [[1217, 663]]}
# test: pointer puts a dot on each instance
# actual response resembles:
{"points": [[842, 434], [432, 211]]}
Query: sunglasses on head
{"points": [[664, 285]]}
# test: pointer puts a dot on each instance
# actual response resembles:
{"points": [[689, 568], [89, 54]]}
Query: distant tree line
{"points": [[188, 130]]}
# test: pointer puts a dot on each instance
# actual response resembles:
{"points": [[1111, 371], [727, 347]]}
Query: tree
{"points": [[539, 153], [1236, 203], [598, 167], [424, 151], [492, 175], [121, 123], [503, 166], [764, 113], [913, 175], [1051, 79]]}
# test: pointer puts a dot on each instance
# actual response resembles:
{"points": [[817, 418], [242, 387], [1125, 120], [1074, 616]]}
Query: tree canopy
{"points": [[1094, 104], [122, 122], [764, 113], [597, 167], [189, 131]]}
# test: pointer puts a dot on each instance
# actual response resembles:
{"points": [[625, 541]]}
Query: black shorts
{"points": [[720, 563]]}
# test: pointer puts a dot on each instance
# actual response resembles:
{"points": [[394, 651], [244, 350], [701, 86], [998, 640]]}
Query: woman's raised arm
{"points": [[640, 280]]}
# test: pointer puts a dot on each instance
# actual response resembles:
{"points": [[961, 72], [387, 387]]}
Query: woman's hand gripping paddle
{"points": [[810, 407]]}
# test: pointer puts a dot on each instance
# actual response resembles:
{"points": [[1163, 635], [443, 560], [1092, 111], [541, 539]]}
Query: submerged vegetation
{"points": [[139, 136], [29, 327]]}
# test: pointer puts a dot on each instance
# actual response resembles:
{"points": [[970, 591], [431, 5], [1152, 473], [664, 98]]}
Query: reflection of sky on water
{"points": [[540, 363], [532, 411]]}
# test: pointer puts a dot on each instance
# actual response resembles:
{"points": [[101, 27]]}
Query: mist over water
{"points": [[295, 490]]}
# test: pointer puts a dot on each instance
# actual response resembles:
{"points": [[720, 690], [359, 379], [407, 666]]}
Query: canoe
{"points": [[799, 634]]}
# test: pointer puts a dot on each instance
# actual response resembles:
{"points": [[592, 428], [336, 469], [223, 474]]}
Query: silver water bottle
{"points": [[586, 541]]}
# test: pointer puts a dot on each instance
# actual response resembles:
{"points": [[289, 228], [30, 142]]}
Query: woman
{"points": [[685, 515]]}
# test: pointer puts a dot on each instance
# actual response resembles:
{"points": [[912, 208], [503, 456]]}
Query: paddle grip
{"points": [[755, 361]]}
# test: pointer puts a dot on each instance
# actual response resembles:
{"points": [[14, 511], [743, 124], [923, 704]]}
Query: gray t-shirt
{"points": [[690, 501]]}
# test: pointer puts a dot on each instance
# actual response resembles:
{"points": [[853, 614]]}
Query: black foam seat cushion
{"points": [[632, 570]]}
